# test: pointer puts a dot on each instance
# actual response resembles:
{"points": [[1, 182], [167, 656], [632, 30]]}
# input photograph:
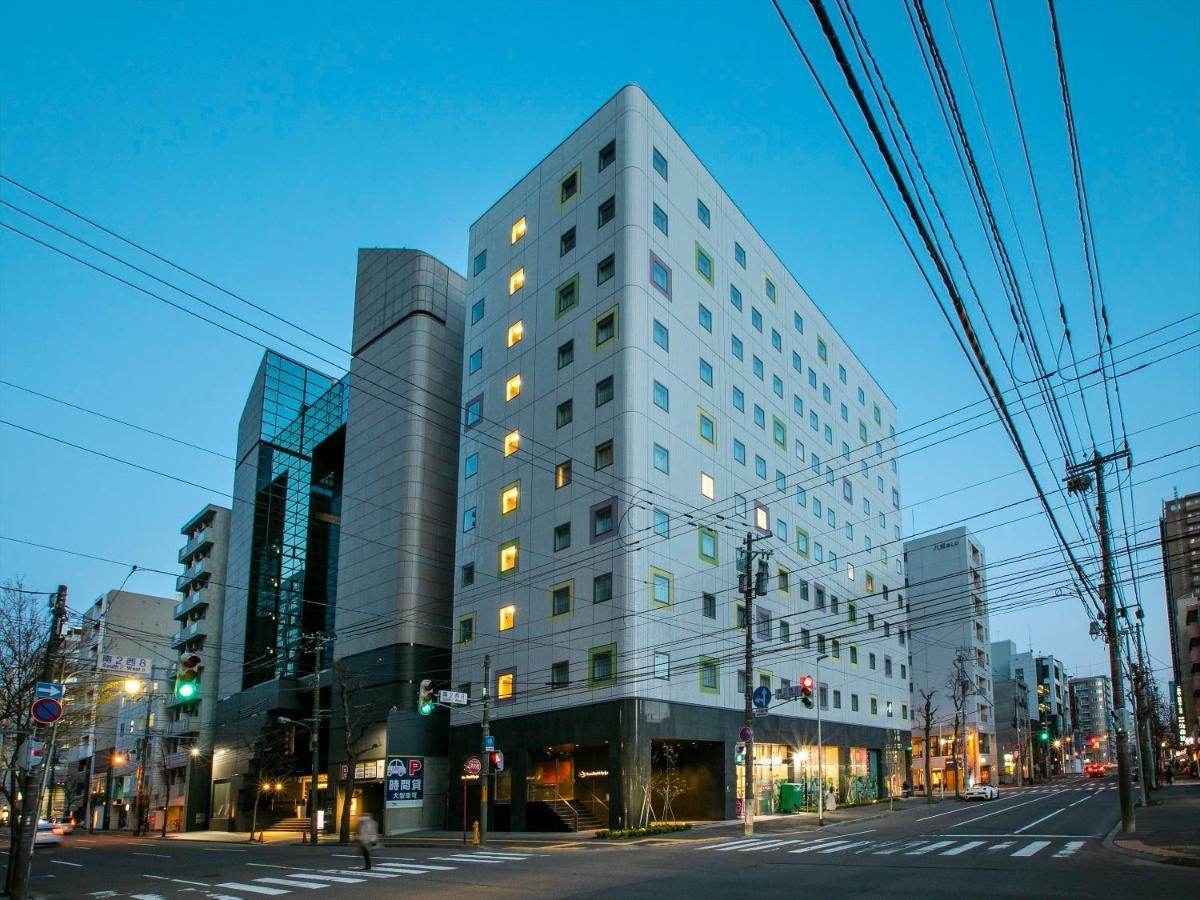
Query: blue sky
{"points": [[261, 145]]}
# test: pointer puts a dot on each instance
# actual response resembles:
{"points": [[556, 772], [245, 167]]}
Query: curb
{"points": [[1166, 857]]}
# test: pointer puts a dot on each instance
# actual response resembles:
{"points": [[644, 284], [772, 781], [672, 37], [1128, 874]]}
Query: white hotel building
{"points": [[644, 382]]}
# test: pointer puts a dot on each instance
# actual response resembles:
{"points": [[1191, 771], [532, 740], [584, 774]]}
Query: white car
{"points": [[982, 792], [47, 834]]}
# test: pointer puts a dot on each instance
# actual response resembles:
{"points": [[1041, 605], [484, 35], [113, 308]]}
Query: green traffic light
{"points": [[426, 708], [186, 691], [1045, 736]]}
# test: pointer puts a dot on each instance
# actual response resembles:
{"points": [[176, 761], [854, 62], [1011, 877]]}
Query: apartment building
{"points": [[950, 656], [645, 383], [1179, 528], [1091, 700]]}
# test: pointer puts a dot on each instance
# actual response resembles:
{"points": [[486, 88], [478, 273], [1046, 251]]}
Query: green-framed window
{"points": [[779, 432], [570, 186], [802, 542], [706, 428], [602, 666], [707, 540], [705, 267], [662, 587], [562, 599], [606, 327], [710, 675]]}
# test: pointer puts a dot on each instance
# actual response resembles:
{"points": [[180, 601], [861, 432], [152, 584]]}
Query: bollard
{"points": [[475, 833]]}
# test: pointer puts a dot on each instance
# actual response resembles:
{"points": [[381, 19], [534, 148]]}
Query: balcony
{"points": [[197, 600], [202, 541], [188, 633], [182, 726], [199, 570], [179, 759]]}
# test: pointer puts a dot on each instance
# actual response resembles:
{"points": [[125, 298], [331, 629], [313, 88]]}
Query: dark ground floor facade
{"points": [[630, 762]]}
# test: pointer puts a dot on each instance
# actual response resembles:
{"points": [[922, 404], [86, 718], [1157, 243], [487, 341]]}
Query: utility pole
{"points": [[485, 757], [22, 857], [314, 736], [750, 584], [1078, 481], [144, 757]]}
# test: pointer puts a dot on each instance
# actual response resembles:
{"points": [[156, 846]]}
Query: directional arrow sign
{"points": [[762, 697], [46, 689]]}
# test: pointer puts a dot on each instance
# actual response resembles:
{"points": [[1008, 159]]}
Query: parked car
{"points": [[66, 823], [982, 792], [47, 834]]}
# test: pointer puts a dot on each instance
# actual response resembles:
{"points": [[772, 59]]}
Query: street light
{"points": [[313, 746], [133, 686]]}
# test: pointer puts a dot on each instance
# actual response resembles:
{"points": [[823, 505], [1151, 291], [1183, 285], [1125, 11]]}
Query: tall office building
{"points": [[950, 654], [191, 710], [1092, 719], [342, 494], [1180, 531], [646, 383]]}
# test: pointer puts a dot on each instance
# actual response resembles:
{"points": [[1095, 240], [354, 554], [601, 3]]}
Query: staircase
{"points": [[298, 825], [574, 816]]}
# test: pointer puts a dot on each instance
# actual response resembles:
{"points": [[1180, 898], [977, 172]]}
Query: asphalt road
{"points": [[1037, 842]]}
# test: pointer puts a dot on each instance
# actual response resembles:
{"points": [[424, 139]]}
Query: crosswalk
{"points": [[930, 846], [1064, 790], [283, 880]]}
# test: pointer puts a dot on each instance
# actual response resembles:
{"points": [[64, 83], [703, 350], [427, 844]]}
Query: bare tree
{"points": [[927, 715], [355, 722], [961, 689], [270, 761], [24, 622], [668, 782]]}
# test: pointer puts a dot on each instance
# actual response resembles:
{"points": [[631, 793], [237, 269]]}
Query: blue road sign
{"points": [[489, 743], [47, 689], [762, 697], [46, 710]]}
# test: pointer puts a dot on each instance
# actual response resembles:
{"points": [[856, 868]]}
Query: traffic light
{"points": [[806, 691], [496, 760], [1044, 736], [739, 754], [425, 702], [187, 675]]}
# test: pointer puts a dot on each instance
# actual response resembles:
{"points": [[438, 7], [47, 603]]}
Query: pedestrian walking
{"points": [[368, 837]]}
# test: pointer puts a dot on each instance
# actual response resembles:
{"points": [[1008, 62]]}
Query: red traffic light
{"points": [[807, 682]]}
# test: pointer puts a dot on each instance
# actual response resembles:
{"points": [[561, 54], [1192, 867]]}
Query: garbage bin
{"points": [[791, 796]]}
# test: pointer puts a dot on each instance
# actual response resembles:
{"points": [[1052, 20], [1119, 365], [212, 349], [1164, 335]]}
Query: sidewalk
{"points": [[1169, 829], [243, 837]]}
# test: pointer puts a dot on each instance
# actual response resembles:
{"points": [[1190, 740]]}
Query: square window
{"points": [[739, 254], [516, 331], [562, 536], [762, 621], [606, 212], [510, 498], [777, 340], [562, 474], [480, 262], [842, 374], [854, 702], [862, 397], [605, 328], [801, 496], [469, 519], [471, 466], [561, 599], [785, 635], [662, 459], [566, 297], [660, 164], [565, 413], [822, 350], [468, 576], [476, 311], [662, 523], [762, 518], [568, 187], [777, 386], [702, 213], [760, 416], [475, 362], [705, 315], [780, 481], [566, 243], [604, 455], [466, 629], [606, 268], [566, 354], [660, 276], [509, 556], [660, 219], [708, 545], [662, 335], [736, 347], [607, 155], [506, 685], [704, 264], [560, 675], [604, 391], [662, 665], [662, 397], [708, 487], [603, 517], [739, 451], [735, 297], [739, 400], [798, 322], [769, 288], [812, 379], [516, 281], [708, 429], [518, 229], [760, 467], [706, 372], [508, 617], [710, 675], [602, 588], [709, 606], [662, 587], [756, 319]]}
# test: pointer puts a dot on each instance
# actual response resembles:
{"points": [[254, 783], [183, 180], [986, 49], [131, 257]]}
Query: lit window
{"points": [[707, 486], [516, 331], [762, 519], [508, 557], [504, 686], [508, 617], [850, 571], [516, 281], [510, 497], [512, 387], [562, 474], [518, 229], [512, 440]]}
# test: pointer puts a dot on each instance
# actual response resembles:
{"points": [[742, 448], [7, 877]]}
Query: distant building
{"points": [[1092, 719], [190, 717], [1013, 730], [948, 608], [127, 626], [1049, 704], [1180, 534]]}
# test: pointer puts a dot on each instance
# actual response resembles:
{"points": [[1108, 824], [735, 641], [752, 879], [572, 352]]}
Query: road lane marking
{"points": [[465, 858], [1042, 819], [252, 888], [360, 873], [148, 897], [902, 845], [63, 862], [774, 844], [1035, 847], [225, 849], [734, 844], [177, 880], [292, 882], [502, 854], [1077, 802], [159, 855], [936, 845], [1000, 846], [418, 865], [340, 879], [849, 846], [821, 845], [994, 812], [1069, 849], [969, 845]]}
